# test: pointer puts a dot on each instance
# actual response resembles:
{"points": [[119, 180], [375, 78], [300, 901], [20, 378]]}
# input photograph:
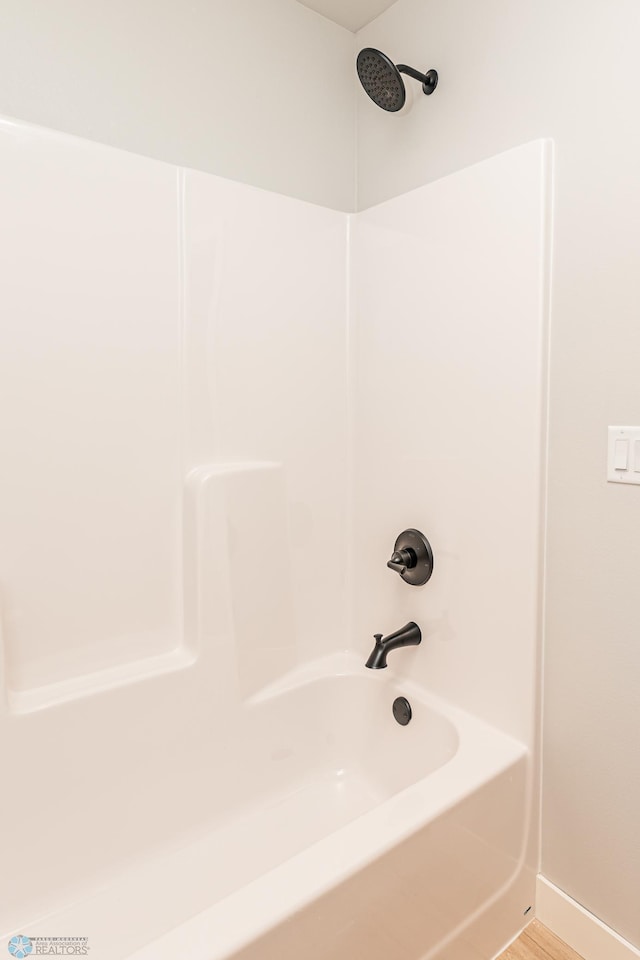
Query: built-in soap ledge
{"points": [[90, 684], [238, 574]]}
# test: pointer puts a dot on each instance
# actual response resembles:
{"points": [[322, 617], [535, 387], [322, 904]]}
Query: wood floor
{"points": [[538, 943]]}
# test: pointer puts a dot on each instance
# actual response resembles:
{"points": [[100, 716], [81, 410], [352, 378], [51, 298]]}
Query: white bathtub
{"points": [[347, 835]]}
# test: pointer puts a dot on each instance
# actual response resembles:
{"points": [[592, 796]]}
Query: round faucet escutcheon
{"points": [[412, 557]]}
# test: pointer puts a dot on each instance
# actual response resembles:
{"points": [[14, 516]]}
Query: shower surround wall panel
{"points": [[450, 282], [449, 426], [155, 324]]}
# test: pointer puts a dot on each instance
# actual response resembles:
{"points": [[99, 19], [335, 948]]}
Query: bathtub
{"points": [[351, 835]]}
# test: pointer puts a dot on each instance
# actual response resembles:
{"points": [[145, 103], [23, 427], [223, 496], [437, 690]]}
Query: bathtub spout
{"points": [[408, 636]]}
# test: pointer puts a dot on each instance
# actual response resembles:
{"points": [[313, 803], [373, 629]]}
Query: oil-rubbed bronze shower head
{"points": [[382, 80]]}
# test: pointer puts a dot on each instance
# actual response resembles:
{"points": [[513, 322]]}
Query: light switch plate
{"points": [[616, 453]]}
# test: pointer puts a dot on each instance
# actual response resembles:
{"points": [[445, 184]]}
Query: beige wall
{"points": [[511, 72], [256, 91]]}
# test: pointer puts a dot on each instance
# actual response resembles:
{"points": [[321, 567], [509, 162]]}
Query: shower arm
{"points": [[403, 68], [429, 80]]}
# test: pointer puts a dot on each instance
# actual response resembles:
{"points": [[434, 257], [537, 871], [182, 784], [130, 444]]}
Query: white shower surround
{"points": [[362, 406]]}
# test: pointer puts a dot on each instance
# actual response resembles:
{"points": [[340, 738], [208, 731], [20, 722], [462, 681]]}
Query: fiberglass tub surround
{"points": [[195, 565]]}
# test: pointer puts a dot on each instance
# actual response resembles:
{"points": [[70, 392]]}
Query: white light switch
{"points": [[621, 455], [623, 458]]}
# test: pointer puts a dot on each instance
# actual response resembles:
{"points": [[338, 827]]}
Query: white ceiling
{"points": [[351, 14]]}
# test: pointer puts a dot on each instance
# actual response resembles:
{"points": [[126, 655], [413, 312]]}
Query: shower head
{"points": [[381, 79]]}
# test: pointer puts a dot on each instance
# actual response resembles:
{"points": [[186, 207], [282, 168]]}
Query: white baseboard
{"points": [[587, 935]]}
